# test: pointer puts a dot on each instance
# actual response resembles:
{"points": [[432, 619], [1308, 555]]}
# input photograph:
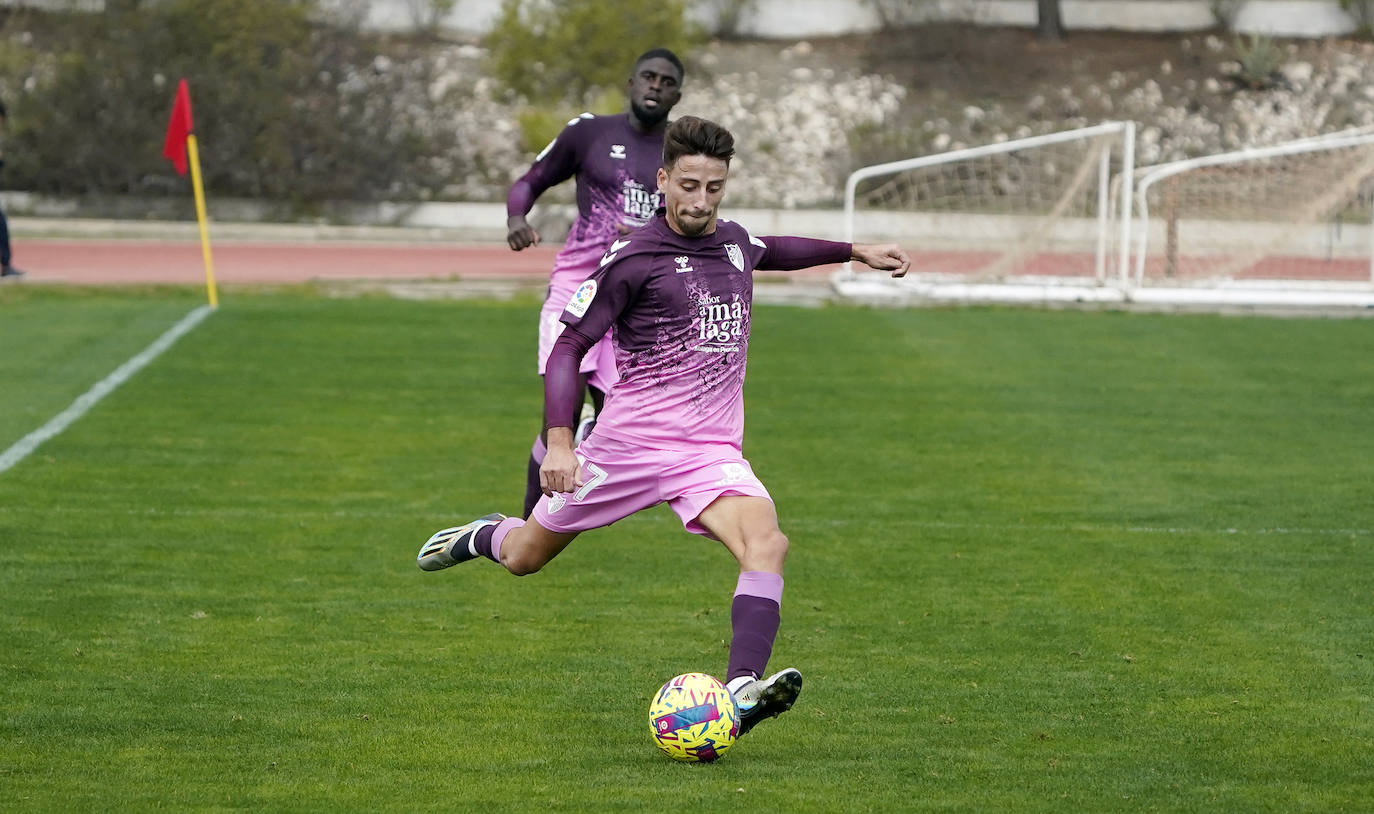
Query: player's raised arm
{"points": [[883, 256], [786, 253]]}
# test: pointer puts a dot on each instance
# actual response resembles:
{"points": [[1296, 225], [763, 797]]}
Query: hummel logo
{"points": [[611, 252], [682, 260], [617, 151]]}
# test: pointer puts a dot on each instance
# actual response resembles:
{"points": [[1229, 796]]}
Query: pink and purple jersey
{"points": [[679, 311], [617, 170]]}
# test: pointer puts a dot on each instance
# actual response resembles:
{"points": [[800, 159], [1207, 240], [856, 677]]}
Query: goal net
{"points": [[1034, 209], [1294, 212]]}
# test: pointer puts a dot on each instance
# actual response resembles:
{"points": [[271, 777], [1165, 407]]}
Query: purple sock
{"points": [[488, 539], [754, 618], [532, 489]]}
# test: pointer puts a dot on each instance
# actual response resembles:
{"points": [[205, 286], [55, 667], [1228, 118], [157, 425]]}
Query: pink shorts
{"points": [[621, 478], [568, 273]]}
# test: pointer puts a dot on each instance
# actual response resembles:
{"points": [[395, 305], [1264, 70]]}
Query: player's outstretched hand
{"points": [[520, 234], [885, 257], [561, 471]]}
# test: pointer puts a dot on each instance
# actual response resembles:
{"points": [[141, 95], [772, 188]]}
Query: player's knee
{"points": [[768, 549], [522, 562]]}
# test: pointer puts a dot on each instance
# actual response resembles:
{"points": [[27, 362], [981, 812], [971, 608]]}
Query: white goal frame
{"points": [[1125, 129], [1151, 175]]}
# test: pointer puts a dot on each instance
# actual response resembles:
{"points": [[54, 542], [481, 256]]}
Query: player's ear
{"points": [[662, 180]]}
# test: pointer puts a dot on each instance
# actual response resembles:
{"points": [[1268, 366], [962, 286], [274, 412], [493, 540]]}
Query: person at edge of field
{"points": [[6, 270], [678, 293], [615, 159]]}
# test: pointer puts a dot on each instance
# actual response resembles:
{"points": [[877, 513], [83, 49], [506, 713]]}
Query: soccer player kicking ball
{"points": [[677, 294]]}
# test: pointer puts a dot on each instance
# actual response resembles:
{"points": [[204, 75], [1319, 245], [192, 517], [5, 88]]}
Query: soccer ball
{"points": [[694, 718]]}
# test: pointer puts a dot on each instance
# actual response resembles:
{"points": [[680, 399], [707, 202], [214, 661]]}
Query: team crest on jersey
{"points": [[582, 299], [617, 151], [732, 251]]}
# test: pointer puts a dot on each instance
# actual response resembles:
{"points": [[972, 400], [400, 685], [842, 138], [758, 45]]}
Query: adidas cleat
{"points": [[452, 546], [765, 698]]}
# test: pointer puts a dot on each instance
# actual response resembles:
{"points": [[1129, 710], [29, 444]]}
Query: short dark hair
{"points": [[663, 53], [692, 136]]}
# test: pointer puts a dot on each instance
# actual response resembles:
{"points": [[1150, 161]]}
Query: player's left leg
{"points": [[748, 527]]}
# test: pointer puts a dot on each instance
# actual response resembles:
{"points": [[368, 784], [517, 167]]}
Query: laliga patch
{"points": [[582, 299]]}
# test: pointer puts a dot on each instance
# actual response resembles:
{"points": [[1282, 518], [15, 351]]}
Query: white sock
{"points": [[738, 683]]}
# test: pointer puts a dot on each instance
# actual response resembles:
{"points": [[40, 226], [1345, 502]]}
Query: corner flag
{"points": [[177, 147], [178, 128]]}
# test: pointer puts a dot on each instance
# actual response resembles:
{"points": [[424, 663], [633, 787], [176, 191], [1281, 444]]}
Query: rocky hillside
{"points": [[810, 112]]}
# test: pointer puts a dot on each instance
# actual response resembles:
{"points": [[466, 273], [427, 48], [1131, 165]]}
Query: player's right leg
{"points": [[619, 480], [448, 547], [519, 546]]}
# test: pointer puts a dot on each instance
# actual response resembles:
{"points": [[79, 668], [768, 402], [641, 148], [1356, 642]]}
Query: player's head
{"points": [[696, 161], [655, 86]]}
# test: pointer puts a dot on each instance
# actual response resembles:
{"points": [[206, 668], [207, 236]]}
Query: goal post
{"points": [[1298, 212], [1040, 207]]}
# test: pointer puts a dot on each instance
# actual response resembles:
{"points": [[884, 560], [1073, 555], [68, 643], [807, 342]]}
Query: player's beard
{"points": [[650, 118], [695, 227]]}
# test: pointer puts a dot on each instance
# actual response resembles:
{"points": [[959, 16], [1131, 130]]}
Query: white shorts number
{"points": [[597, 476]]}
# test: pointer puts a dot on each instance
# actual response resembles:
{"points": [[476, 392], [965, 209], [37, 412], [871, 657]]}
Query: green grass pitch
{"points": [[1041, 561]]}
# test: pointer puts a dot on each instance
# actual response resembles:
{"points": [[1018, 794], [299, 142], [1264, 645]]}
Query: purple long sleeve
{"points": [[562, 381], [792, 253], [521, 199]]}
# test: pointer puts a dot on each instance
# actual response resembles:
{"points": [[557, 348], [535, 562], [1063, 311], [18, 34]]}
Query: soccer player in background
{"points": [[615, 159], [677, 294]]}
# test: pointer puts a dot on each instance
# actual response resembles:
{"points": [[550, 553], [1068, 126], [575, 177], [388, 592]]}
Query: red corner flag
{"points": [[178, 128]]}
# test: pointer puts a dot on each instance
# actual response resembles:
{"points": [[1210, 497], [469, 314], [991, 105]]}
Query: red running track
{"points": [[95, 262], [99, 262]]}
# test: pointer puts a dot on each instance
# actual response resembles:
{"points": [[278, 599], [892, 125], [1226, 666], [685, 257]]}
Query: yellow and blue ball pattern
{"points": [[693, 718]]}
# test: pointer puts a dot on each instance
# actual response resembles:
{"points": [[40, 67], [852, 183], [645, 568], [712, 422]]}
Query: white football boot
{"points": [[763, 698], [452, 546]]}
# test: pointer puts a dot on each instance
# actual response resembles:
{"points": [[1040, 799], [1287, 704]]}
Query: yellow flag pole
{"points": [[194, 155]]}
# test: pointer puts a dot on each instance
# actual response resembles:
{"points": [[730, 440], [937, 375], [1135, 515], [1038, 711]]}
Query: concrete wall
{"points": [[796, 19]]}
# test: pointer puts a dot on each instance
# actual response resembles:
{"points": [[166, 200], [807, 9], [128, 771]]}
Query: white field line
{"points": [[102, 388]]}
